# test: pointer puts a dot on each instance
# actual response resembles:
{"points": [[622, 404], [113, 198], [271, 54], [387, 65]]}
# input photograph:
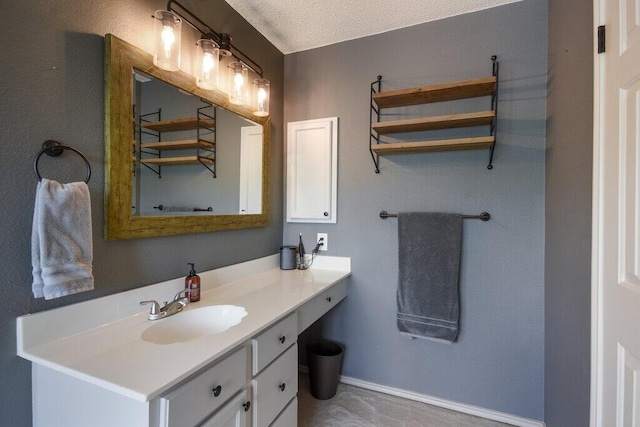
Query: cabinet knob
{"points": [[326, 214], [282, 339], [282, 387], [246, 406], [329, 299], [217, 390]]}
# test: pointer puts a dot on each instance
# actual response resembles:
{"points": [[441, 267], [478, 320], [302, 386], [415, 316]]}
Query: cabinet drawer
{"points": [[317, 307], [271, 343], [275, 387], [233, 414], [191, 402], [288, 417]]}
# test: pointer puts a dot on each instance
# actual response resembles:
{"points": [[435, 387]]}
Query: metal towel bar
{"points": [[484, 216]]}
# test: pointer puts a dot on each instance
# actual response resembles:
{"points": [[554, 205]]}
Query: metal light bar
{"points": [[223, 40]]}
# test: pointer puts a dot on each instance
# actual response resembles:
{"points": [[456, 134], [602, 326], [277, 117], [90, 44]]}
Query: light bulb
{"points": [[207, 63], [238, 81], [168, 39], [262, 95]]}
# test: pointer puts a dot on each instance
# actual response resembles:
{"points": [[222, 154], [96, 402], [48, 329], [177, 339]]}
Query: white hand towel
{"points": [[61, 240]]}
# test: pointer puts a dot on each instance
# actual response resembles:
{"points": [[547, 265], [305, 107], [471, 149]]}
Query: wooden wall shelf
{"points": [[174, 161], [433, 123], [436, 93], [187, 144], [487, 86], [474, 143], [205, 150], [175, 125]]}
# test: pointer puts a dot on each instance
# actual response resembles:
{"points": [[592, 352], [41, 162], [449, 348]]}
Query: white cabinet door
{"points": [[191, 402], [233, 414], [251, 170], [274, 388], [288, 417], [312, 170]]}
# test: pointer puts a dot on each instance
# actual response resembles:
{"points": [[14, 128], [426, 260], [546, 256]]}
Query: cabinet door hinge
{"points": [[601, 39]]}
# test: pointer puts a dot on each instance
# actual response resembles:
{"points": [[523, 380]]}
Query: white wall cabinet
{"points": [[312, 170]]}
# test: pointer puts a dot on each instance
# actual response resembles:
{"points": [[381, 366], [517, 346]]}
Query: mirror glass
{"points": [[178, 158], [192, 157]]}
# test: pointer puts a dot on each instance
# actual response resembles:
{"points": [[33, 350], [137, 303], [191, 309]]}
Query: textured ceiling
{"points": [[297, 25]]}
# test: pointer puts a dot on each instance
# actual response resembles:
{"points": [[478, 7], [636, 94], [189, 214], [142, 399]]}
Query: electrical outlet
{"points": [[325, 245]]}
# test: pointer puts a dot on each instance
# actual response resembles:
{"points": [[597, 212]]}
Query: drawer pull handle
{"points": [[282, 339], [282, 387], [246, 406], [329, 299], [217, 390]]}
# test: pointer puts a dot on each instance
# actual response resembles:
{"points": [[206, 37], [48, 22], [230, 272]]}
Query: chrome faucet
{"points": [[169, 308]]}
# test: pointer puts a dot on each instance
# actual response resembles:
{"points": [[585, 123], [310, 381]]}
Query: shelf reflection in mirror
{"points": [[192, 157]]}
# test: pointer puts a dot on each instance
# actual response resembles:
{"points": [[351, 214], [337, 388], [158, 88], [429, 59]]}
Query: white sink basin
{"points": [[192, 324]]}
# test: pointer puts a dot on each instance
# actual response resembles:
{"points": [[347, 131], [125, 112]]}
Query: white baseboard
{"points": [[442, 403]]}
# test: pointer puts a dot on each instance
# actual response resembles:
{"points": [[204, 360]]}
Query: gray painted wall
{"points": [[52, 87], [498, 362], [568, 213]]}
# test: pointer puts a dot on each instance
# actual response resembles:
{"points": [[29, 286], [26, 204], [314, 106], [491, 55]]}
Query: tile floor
{"points": [[357, 407]]}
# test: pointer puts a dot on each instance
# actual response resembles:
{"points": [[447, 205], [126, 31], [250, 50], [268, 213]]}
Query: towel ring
{"points": [[54, 149]]}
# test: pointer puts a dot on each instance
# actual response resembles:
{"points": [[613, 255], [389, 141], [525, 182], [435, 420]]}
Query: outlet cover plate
{"points": [[324, 236]]}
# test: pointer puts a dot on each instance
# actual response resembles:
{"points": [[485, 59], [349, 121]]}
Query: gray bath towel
{"points": [[61, 241], [429, 264]]}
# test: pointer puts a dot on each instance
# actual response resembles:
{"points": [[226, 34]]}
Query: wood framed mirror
{"points": [[124, 157]]}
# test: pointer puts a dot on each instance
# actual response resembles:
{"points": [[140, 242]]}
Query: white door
{"points": [[616, 216], [250, 170], [312, 163]]}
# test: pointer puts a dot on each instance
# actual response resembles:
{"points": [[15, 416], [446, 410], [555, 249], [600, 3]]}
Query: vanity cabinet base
{"points": [[62, 400], [262, 369]]}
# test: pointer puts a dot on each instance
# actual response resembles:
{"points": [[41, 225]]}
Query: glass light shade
{"points": [[207, 65], [261, 97], [166, 33], [238, 83]]}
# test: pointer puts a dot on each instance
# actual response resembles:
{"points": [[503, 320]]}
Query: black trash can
{"points": [[324, 359]]}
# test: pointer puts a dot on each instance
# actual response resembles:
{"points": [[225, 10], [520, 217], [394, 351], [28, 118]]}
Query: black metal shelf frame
{"points": [[376, 86], [203, 132], [144, 118]]}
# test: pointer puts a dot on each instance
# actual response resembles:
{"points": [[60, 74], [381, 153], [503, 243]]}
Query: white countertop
{"points": [[99, 341]]}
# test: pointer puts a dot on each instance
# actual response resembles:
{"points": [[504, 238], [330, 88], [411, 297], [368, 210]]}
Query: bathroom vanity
{"points": [[100, 363]]}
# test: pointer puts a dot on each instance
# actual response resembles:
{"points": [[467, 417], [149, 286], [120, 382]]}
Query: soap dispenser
{"points": [[192, 283]]}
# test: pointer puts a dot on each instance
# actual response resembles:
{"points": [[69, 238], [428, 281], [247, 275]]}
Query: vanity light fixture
{"points": [[261, 89], [210, 47], [166, 30], [238, 84], [207, 64]]}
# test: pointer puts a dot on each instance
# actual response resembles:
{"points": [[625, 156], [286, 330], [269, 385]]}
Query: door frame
{"points": [[597, 228]]}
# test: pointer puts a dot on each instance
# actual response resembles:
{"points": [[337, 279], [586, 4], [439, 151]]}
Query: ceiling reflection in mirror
{"points": [[191, 157]]}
